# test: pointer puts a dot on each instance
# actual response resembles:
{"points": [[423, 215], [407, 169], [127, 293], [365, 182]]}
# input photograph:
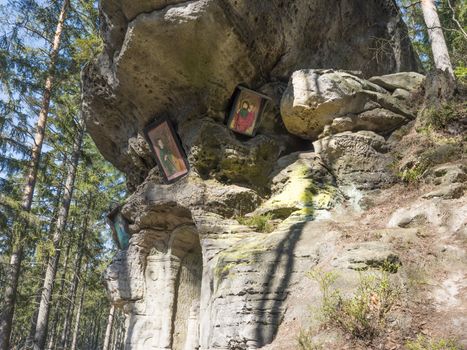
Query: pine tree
{"points": [[49, 279], [16, 256]]}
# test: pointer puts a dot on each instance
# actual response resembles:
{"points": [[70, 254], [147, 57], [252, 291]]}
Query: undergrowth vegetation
{"points": [[414, 170], [260, 223], [447, 114], [361, 316], [439, 138], [424, 343]]}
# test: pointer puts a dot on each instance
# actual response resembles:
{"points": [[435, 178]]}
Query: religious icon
{"points": [[119, 227], [246, 111], [167, 149]]}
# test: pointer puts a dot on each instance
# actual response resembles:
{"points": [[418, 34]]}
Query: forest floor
{"points": [[429, 237]]}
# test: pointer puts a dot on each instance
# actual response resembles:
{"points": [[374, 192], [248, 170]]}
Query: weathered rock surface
{"points": [[362, 256], [184, 58], [448, 174], [193, 277], [165, 274], [216, 153], [358, 159], [430, 276], [300, 184], [315, 99], [451, 191], [409, 81]]}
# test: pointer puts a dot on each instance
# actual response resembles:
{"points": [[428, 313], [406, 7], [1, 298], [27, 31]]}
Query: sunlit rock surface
{"points": [[193, 276], [183, 59]]}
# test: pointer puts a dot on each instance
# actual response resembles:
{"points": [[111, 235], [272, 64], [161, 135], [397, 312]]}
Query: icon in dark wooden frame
{"points": [[247, 109], [167, 149], [119, 226]]}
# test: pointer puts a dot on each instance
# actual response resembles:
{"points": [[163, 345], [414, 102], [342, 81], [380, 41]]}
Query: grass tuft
{"points": [[424, 343], [261, 223]]}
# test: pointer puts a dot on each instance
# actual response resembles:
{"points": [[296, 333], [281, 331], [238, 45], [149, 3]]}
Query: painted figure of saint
{"points": [[167, 149], [120, 229], [166, 157], [244, 117]]}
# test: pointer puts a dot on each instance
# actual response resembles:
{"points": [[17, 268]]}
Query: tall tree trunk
{"points": [[435, 33], [37, 300], [44, 307], [32, 329], [108, 330], [76, 278], [56, 314], [78, 317], [14, 269], [97, 334]]}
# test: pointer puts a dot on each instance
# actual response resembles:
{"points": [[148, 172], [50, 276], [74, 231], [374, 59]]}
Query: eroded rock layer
{"points": [[184, 59], [214, 258]]}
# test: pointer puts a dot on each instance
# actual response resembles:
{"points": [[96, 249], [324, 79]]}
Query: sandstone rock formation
{"points": [[315, 99], [184, 59], [193, 276], [359, 159], [409, 81]]}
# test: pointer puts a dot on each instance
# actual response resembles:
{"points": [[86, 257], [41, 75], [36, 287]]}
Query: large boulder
{"points": [[410, 81], [183, 59], [358, 159], [315, 98]]}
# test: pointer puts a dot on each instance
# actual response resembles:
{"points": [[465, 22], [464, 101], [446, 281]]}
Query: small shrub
{"points": [[412, 175], [461, 74], [261, 223], [424, 343], [437, 154], [439, 118], [305, 342], [363, 315]]}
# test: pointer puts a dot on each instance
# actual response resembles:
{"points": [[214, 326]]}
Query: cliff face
{"points": [[217, 260], [184, 59]]}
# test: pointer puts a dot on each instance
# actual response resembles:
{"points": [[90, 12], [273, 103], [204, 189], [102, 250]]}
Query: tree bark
{"points": [[44, 307], [76, 278], [108, 330], [435, 33], [56, 317], [14, 269], [37, 300], [78, 317]]}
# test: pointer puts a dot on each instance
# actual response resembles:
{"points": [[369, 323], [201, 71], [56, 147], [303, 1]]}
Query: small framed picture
{"points": [[247, 108], [119, 226], [167, 149]]}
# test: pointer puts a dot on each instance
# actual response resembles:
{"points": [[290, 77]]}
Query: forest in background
{"points": [[54, 222]]}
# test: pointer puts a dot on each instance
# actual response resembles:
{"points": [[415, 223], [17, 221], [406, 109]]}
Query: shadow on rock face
{"points": [[276, 282]]}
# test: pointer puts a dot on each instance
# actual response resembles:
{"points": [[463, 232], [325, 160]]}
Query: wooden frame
{"points": [[162, 138], [119, 226], [247, 109]]}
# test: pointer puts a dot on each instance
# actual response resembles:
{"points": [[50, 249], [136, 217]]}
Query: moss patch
{"points": [[241, 254], [301, 195]]}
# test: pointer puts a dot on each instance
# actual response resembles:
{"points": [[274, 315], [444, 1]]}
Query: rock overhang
{"points": [[183, 59]]}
